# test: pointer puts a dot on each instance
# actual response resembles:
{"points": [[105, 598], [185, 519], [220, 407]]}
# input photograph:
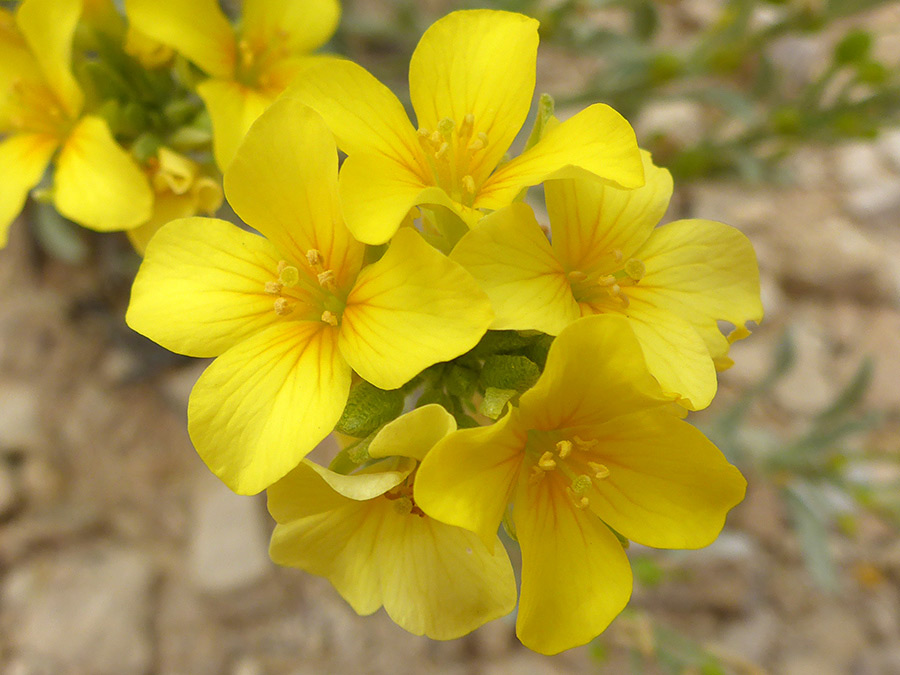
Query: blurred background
{"points": [[121, 554]]}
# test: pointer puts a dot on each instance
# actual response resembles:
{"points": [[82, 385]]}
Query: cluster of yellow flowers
{"points": [[413, 276]]}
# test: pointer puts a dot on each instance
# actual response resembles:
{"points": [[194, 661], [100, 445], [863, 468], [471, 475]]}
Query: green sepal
{"points": [[368, 407]]}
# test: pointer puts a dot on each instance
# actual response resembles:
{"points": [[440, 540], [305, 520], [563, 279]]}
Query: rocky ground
{"points": [[121, 555]]}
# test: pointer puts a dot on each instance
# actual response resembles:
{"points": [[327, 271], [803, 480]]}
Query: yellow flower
{"points": [[181, 190], [291, 313], [96, 182], [471, 81], [674, 283], [248, 67], [364, 533], [595, 448]]}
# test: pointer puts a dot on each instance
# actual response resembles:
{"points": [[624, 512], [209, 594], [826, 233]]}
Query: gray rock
{"points": [[679, 121], [85, 611], [229, 544], [9, 491], [889, 145], [858, 164], [20, 419]]}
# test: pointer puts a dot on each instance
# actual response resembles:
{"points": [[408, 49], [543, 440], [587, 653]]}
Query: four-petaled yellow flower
{"points": [[471, 81], [96, 182], [674, 283], [248, 67], [365, 534], [595, 448], [291, 313]]}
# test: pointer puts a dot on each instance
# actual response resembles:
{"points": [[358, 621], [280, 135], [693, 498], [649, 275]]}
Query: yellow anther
{"points": [[441, 151], [635, 269], [608, 280], [600, 470], [537, 475], [283, 307], [577, 275], [289, 276], [564, 448], [329, 318], [326, 278], [617, 255], [465, 129], [546, 462], [281, 265], [445, 128], [583, 444], [468, 184], [313, 257], [581, 484], [479, 142], [436, 139], [273, 288]]}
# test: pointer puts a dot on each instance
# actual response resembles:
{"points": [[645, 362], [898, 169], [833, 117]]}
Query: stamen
{"points": [[479, 143], [537, 475], [313, 257], [468, 185], [617, 255], [577, 275], [445, 128], [283, 307], [273, 287], [403, 506], [600, 470], [583, 444], [564, 448], [281, 265], [608, 280], [465, 129], [441, 151], [326, 279], [580, 501], [546, 462], [329, 318]]}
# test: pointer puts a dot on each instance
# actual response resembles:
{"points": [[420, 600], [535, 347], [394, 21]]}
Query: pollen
{"points": [[283, 307], [577, 275], [564, 449], [329, 318], [546, 462], [274, 287], [635, 269], [314, 257], [326, 278], [601, 471], [583, 444], [580, 501]]}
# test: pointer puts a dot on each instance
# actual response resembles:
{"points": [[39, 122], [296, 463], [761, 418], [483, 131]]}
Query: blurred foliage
{"points": [[824, 474], [754, 108]]}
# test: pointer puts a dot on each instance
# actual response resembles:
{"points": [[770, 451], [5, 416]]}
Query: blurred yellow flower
{"points": [[290, 315], [248, 67], [365, 534], [674, 283], [471, 81], [96, 182], [180, 189], [594, 449]]}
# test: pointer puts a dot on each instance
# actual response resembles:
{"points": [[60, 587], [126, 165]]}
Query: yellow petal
{"points": [[575, 575], [668, 486], [16, 61], [301, 493], [577, 388], [369, 483], [197, 29], [480, 63], [97, 183], [438, 580], [591, 220], [377, 194], [467, 479], [232, 108], [432, 579], [675, 353], [201, 287], [283, 182], [597, 142], [48, 27], [511, 259], [705, 272], [413, 434], [266, 402], [363, 114], [23, 159], [295, 26], [410, 310]]}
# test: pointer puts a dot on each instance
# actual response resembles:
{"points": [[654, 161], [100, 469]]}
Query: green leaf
{"points": [[494, 401], [808, 511]]}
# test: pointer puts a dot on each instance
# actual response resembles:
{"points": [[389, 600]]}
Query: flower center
{"points": [[597, 285], [312, 287], [449, 151], [402, 496], [255, 60], [569, 458]]}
